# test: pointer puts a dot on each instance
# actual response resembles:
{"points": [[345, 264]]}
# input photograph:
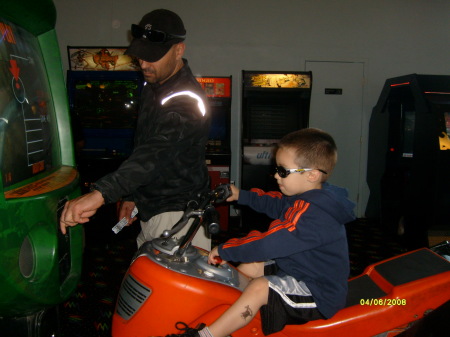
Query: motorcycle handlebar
{"points": [[222, 193], [203, 211], [211, 218]]}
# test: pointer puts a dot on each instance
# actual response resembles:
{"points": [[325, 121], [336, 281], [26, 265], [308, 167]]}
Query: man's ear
{"points": [[180, 47]]}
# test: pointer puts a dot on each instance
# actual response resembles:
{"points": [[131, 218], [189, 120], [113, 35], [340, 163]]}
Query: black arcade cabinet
{"points": [[409, 158], [218, 149], [104, 87], [273, 105], [104, 108]]}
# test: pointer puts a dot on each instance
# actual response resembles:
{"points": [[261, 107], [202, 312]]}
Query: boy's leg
{"points": [[243, 310], [252, 269]]}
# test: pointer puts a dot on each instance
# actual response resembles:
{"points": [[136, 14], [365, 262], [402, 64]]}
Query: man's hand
{"points": [[79, 210], [125, 210]]}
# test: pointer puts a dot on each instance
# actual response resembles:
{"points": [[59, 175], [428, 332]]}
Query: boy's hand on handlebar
{"points": [[214, 258], [234, 193]]}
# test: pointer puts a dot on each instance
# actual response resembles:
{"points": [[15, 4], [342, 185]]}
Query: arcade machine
{"points": [[104, 87], [39, 267], [273, 104], [218, 153], [104, 107], [409, 158]]}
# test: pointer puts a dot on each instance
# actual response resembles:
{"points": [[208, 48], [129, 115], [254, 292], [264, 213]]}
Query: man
{"points": [[167, 167]]}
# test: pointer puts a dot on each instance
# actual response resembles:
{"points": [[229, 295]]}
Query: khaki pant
{"points": [[154, 227]]}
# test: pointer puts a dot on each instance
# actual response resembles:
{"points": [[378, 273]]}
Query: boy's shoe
{"points": [[187, 331]]}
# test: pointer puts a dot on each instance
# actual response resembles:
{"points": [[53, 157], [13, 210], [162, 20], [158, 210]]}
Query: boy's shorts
{"points": [[289, 302]]}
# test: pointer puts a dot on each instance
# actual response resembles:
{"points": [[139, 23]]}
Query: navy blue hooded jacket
{"points": [[307, 240]]}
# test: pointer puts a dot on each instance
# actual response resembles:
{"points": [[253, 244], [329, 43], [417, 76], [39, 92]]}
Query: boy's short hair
{"points": [[314, 149]]}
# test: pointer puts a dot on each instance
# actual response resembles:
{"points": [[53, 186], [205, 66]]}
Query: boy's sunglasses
{"points": [[153, 35], [283, 172]]}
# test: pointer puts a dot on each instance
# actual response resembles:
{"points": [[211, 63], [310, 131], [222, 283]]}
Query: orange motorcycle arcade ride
{"points": [[170, 281]]}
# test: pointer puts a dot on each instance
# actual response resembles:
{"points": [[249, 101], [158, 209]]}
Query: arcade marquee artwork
{"points": [[100, 58], [274, 80]]}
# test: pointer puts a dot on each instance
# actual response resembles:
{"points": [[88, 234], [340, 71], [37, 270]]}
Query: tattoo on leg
{"points": [[247, 313]]}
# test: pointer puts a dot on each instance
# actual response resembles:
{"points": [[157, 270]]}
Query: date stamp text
{"points": [[382, 301]]}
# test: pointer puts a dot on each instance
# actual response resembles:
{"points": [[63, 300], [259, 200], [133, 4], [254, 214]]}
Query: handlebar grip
{"points": [[214, 228], [222, 192], [212, 219]]}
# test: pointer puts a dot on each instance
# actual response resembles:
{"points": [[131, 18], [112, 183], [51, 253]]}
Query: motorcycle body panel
{"points": [[386, 298]]}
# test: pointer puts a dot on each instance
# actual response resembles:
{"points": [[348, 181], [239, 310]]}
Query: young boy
{"points": [[307, 241]]}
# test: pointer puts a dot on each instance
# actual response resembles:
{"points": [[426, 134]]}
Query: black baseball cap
{"points": [[155, 34]]}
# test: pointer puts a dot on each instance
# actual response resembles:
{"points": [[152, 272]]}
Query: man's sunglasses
{"points": [[153, 35], [284, 172]]}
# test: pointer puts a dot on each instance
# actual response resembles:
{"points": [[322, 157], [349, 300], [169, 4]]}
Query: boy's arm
{"points": [[295, 231], [269, 203]]}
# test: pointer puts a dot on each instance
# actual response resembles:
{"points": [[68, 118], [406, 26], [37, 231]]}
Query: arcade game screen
{"points": [[444, 137], [219, 123], [447, 122], [104, 107], [28, 143]]}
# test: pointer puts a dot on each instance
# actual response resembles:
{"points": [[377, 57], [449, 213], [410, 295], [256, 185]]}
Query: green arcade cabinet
{"points": [[39, 267]]}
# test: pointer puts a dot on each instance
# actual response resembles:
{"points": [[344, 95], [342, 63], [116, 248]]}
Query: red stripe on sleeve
{"points": [[292, 217]]}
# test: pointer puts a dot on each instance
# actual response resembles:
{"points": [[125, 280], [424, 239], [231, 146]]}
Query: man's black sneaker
{"points": [[186, 330]]}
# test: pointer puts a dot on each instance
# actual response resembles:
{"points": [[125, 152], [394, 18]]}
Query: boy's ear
{"points": [[314, 176]]}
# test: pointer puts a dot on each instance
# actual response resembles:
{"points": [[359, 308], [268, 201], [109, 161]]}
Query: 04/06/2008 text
{"points": [[382, 301]]}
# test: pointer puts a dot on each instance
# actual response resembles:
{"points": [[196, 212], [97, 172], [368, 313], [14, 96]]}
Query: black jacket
{"points": [[167, 167]]}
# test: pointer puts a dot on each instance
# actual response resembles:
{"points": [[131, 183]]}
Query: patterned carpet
{"points": [[89, 311]]}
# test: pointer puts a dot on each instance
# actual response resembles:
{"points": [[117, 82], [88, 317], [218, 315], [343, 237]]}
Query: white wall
{"points": [[392, 38]]}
